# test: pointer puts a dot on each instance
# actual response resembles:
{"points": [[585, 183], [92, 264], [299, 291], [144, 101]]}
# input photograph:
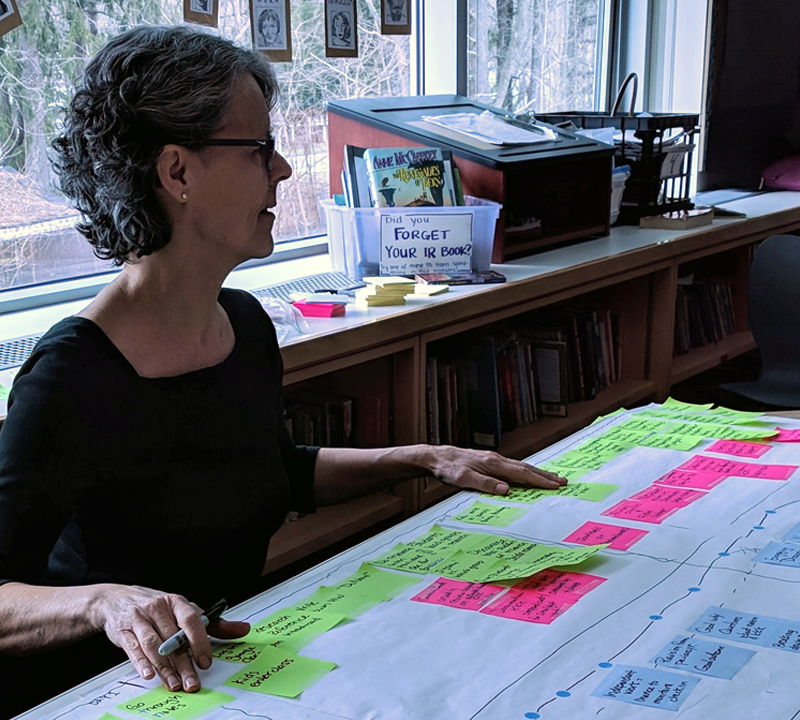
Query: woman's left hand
{"points": [[487, 471]]}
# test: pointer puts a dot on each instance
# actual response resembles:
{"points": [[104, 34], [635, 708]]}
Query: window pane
{"points": [[41, 60], [533, 55]]}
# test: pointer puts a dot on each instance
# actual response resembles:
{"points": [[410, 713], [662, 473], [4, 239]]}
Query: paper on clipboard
{"points": [[491, 128]]}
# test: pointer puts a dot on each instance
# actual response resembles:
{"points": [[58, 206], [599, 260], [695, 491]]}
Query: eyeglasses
{"points": [[265, 147]]}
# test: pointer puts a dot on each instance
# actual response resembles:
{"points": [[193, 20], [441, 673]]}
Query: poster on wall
{"points": [[341, 36], [203, 12], [395, 17], [9, 16], [271, 28]]}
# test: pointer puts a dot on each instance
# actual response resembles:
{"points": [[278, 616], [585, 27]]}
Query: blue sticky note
{"points": [[729, 624], [777, 553], [793, 536], [704, 657], [646, 687], [787, 637]]}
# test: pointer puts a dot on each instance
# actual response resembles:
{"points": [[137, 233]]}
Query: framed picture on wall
{"points": [[341, 32], [9, 16], [271, 28], [395, 17], [202, 12]]}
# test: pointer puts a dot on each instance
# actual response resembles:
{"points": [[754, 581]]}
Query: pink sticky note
{"points": [[570, 585], [687, 478], [739, 448], [595, 533], [786, 435], [458, 593], [528, 606], [649, 512], [703, 463], [662, 494]]}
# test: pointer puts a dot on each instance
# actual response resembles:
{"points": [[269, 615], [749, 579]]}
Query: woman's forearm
{"points": [[34, 619]]}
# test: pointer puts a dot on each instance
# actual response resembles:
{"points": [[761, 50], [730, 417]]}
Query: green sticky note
{"points": [[620, 411], [605, 447], [481, 513], [548, 557], [280, 673], [569, 473], [163, 703], [239, 651], [108, 716], [463, 566], [503, 547], [646, 425], [738, 414], [369, 581], [442, 540], [575, 459], [620, 435], [410, 559], [593, 491], [292, 625], [346, 602], [4, 392], [520, 495], [677, 404], [672, 442]]}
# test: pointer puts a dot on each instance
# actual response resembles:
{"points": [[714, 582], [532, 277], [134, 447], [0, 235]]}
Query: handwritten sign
{"points": [[745, 627], [595, 533], [787, 435], [503, 547], [641, 511], [293, 625], [163, 703], [426, 243], [703, 463], [440, 540], [481, 513], [646, 687], [557, 582], [458, 594], [411, 559], [368, 581], [661, 494], [472, 568], [703, 657], [690, 479]]}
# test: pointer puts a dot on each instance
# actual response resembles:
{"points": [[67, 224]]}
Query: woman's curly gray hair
{"points": [[146, 88]]}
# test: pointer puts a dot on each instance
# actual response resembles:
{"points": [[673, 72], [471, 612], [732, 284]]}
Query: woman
{"points": [[340, 30], [269, 29], [144, 463]]}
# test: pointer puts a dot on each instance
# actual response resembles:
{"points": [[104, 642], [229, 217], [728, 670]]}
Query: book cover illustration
{"points": [[410, 177]]}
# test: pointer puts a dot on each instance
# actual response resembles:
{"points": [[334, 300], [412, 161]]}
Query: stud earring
{"points": [[184, 196]]}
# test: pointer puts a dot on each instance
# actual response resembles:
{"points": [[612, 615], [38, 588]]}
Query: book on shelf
{"points": [[319, 418], [551, 376], [679, 219], [703, 314], [410, 177]]}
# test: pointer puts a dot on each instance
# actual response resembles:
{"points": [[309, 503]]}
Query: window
{"points": [[536, 55], [40, 61]]}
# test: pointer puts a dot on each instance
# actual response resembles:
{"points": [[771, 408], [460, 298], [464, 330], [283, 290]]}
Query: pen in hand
{"points": [[179, 639]]}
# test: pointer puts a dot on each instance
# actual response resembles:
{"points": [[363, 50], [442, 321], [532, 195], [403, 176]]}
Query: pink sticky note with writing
{"points": [[739, 448], [765, 472], [687, 478], [595, 533], [570, 585], [702, 463], [662, 494], [649, 512], [786, 435], [528, 606], [458, 593]]}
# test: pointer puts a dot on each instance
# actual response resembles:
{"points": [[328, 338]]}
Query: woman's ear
{"points": [[171, 167]]}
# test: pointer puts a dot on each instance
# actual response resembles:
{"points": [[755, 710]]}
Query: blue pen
{"points": [[179, 639]]}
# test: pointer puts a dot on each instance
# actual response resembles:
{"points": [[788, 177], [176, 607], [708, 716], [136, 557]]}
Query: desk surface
{"points": [[690, 593]]}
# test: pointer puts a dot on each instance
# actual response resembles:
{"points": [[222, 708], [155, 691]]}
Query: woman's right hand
{"points": [[139, 619]]}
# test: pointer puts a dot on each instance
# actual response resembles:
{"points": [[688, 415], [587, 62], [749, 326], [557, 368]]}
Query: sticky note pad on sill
{"points": [[320, 309]]}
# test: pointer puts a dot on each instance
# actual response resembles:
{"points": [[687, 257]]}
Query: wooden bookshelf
{"points": [[696, 361]]}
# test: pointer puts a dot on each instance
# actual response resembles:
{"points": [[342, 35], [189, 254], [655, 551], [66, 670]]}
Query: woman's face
{"points": [[338, 26], [235, 190], [272, 27]]}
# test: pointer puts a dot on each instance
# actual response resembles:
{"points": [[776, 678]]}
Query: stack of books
{"points": [[400, 177]]}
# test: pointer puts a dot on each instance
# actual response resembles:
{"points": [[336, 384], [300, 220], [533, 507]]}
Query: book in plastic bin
{"points": [[410, 177]]}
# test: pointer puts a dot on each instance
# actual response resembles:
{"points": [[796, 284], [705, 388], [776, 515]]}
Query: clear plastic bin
{"points": [[354, 234]]}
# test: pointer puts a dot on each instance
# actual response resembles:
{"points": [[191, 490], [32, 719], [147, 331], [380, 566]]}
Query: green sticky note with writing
{"points": [[239, 651], [503, 547], [607, 448], [575, 459], [672, 442], [369, 581], [108, 716], [547, 557], [620, 434], [326, 600], [646, 425], [480, 513], [620, 411], [279, 673], [463, 566], [520, 495], [163, 703], [293, 625], [569, 473], [593, 491], [678, 405], [411, 559], [438, 540]]}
